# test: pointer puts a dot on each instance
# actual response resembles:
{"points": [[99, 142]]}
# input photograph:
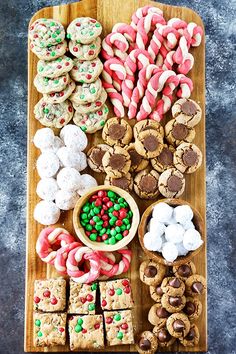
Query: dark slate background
{"points": [[219, 19]]}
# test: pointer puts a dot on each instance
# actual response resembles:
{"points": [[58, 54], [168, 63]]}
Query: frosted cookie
{"points": [[171, 183], [84, 29], [50, 295], [146, 184], [47, 188], [49, 53], [47, 164], [44, 138], [185, 270], [86, 182], [85, 51], [92, 121], [91, 106], [125, 182], [95, 155], [66, 200], [163, 336], [46, 213], [164, 160], [158, 315], [68, 179], [54, 115], [149, 143], [187, 111], [116, 294], [87, 93], [119, 327], [58, 97], [55, 67], [147, 124], [117, 132], [146, 343], [192, 338], [173, 286], [82, 298], [151, 273], [70, 157], [116, 162], [138, 163], [195, 285], [187, 158], [177, 133], [45, 32], [47, 85], [86, 71], [74, 137], [178, 325], [173, 304], [193, 308]]}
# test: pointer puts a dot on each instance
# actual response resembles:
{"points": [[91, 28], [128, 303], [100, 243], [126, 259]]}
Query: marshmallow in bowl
{"points": [[47, 188], [174, 233], [68, 179], [86, 182], [44, 138], [66, 200], [46, 213], [70, 157], [183, 214], [169, 251], [152, 242], [162, 212], [74, 137], [47, 164], [192, 240]]}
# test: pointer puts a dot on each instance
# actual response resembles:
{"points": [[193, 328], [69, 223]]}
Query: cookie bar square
{"points": [[119, 327], [116, 294], [49, 329], [86, 332], [82, 298], [50, 295]]}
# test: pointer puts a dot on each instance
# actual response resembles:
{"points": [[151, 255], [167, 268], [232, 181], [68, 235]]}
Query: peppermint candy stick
{"points": [[111, 42], [116, 99], [177, 24], [114, 72], [186, 86], [144, 26], [142, 12], [61, 256], [155, 44], [183, 68], [126, 30], [121, 267]]}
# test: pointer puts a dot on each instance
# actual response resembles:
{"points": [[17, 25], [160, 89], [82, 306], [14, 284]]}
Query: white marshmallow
{"points": [[74, 137], [152, 242], [66, 200], [162, 212], [174, 233], [183, 214], [44, 138], [156, 227], [46, 213], [68, 179], [86, 182], [169, 251], [188, 225], [70, 157], [47, 164], [181, 250], [192, 240], [47, 188]]}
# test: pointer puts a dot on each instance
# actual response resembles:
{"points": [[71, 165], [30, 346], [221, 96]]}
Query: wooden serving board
{"points": [[109, 12]]}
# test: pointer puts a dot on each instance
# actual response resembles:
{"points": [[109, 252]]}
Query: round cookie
{"points": [[164, 160], [86, 71], [45, 32], [149, 143], [47, 188], [66, 200], [187, 111], [138, 163], [68, 179], [193, 308], [151, 273], [147, 124], [85, 51], [125, 182], [117, 132], [47, 85], [171, 183], [91, 106], [86, 93], [44, 138], [47, 165], [185, 270], [92, 121], [95, 155], [192, 338], [158, 315], [74, 137], [163, 336], [156, 292], [49, 53], [178, 325], [173, 304], [70, 157], [55, 115], [116, 162], [84, 29], [55, 67], [195, 285], [146, 343], [146, 184], [173, 286], [56, 145], [187, 158], [58, 97], [46, 212], [177, 133], [86, 182]]}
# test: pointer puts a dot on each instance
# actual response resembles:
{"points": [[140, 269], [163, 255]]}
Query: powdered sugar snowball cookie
{"points": [[47, 189], [70, 157], [86, 71], [55, 115], [183, 214], [47, 164], [86, 182], [152, 242], [54, 68], [45, 32], [92, 121], [56, 145], [47, 85], [162, 212], [58, 97], [66, 200], [174, 233], [43, 138], [49, 53], [156, 227], [74, 137], [86, 93], [169, 251], [181, 249], [187, 111], [84, 29], [46, 213], [85, 51], [192, 240], [91, 106], [68, 179], [188, 225]]}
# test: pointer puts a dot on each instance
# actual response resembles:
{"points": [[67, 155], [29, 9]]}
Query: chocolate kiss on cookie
{"points": [[175, 283], [159, 290], [184, 270], [191, 334], [148, 184], [175, 300], [189, 108], [97, 155], [135, 157], [116, 131], [163, 335], [121, 183], [162, 313], [178, 325], [150, 143], [150, 271], [117, 161], [190, 158], [174, 184], [144, 344], [197, 287], [165, 157], [189, 308], [180, 131]]}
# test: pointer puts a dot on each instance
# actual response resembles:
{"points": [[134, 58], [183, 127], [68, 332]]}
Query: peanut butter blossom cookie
{"points": [[146, 343], [146, 184], [84, 29], [86, 71], [138, 162], [47, 85], [55, 67], [85, 51], [54, 115], [91, 106], [187, 111], [87, 93], [125, 182], [45, 32], [187, 158], [116, 162], [165, 160], [147, 124], [171, 183], [58, 97], [117, 132], [149, 143], [177, 133], [92, 121], [95, 155], [49, 53]]}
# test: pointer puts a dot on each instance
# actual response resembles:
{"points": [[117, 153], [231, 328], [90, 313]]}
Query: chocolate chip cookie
{"points": [[146, 343], [147, 124], [177, 133], [165, 159], [149, 143], [163, 336], [151, 273], [146, 184], [178, 325], [192, 338], [172, 303], [171, 183], [158, 315], [187, 111], [116, 162], [138, 163], [195, 285], [117, 132], [95, 155], [187, 158], [184, 270], [173, 286], [125, 182], [193, 308]]}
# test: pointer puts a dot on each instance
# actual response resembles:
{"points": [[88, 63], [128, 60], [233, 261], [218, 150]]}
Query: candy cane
{"points": [[126, 30], [196, 33], [116, 99], [142, 12], [144, 26], [183, 68], [111, 42], [121, 267], [177, 24], [114, 72], [62, 255], [186, 86]]}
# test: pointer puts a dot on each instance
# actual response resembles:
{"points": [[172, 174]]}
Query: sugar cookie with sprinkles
{"points": [[58, 97], [49, 53], [92, 121], [45, 32], [85, 51], [91, 106], [86, 71], [47, 85], [84, 29], [87, 93], [55, 67], [55, 115]]}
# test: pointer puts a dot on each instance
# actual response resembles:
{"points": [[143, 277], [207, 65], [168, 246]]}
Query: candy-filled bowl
{"points": [[189, 235], [106, 218]]}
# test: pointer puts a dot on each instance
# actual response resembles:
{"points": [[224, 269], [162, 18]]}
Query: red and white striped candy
{"points": [[126, 30], [177, 23], [144, 26], [142, 12], [196, 33], [118, 268], [112, 44], [114, 72], [186, 86], [62, 255], [183, 68], [116, 99]]}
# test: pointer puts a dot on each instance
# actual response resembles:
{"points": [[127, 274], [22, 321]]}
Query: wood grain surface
{"points": [[109, 12]]}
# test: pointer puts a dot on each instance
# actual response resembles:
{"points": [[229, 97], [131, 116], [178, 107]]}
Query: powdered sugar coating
{"points": [[47, 164], [46, 213], [47, 189]]}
